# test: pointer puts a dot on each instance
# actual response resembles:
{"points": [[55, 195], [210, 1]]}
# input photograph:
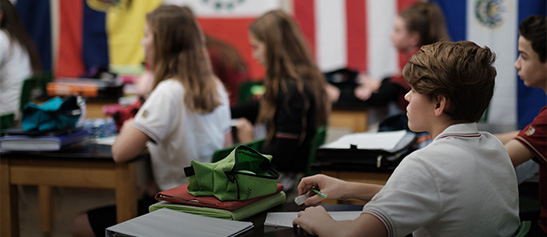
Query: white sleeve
{"points": [[159, 112], [409, 199], [4, 46]]}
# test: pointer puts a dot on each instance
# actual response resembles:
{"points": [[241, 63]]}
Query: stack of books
{"points": [[17, 139], [179, 199]]}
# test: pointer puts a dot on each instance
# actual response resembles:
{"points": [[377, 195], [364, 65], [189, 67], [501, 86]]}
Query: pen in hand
{"points": [[319, 193]]}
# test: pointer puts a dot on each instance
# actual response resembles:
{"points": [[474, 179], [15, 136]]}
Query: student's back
{"points": [[189, 136], [295, 102], [457, 184]]}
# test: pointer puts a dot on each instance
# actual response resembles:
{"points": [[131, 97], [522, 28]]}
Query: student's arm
{"points": [[506, 137], [336, 189], [129, 143], [228, 140], [518, 152], [316, 221]]}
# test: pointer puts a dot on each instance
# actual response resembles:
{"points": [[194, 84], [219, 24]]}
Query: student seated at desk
{"points": [[531, 142], [295, 102], [462, 184], [18, 58], [186, 117]]}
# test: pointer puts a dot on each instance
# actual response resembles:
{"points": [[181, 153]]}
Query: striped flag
{"points": [[494, 23], [351, 33]]}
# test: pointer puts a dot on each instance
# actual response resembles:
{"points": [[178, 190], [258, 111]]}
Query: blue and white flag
{"points": [[494, 23]]}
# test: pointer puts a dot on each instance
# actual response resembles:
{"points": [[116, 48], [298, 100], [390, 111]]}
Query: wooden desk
{"points": [[89, 166], [258, 220], [94, 108], [355, 119]]}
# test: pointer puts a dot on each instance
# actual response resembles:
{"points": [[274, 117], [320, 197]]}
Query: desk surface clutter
{"points": [[164, 222]]}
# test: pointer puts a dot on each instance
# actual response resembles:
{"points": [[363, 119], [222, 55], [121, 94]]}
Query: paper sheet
{"points": [[106, 140], [379, 140], [284, 219]]}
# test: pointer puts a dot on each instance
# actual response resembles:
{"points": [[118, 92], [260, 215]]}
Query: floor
{"points": [[67, 204], [70, 202]]}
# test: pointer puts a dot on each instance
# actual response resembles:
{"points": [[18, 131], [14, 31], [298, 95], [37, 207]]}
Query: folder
{"points": [[166, 222], [238, 214]]}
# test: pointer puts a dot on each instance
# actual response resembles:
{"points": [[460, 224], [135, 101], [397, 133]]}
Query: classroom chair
{"points": [[250, 90], [6, 120], [34, 87], [318, 140], [523, 228]]}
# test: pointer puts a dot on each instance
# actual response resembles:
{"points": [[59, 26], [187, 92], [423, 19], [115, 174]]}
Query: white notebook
{"points": [[284, 219], [378, 140], [167, 222]]}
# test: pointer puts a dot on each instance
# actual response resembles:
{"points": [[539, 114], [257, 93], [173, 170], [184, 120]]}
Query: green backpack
{"points": [[243, 174]]}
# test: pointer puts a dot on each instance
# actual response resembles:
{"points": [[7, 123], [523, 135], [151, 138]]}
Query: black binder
{"points": [[370, 158]]}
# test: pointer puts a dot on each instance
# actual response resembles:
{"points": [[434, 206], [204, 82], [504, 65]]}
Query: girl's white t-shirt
{"points": [[179, 135]]}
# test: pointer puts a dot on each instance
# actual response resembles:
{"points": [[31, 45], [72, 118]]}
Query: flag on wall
{"points": [[74, 36], [494, 23], [229, 21], [351, 33]]}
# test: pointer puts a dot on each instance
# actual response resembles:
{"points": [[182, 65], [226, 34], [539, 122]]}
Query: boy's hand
{"points": [[330, 186], [310, 217]]}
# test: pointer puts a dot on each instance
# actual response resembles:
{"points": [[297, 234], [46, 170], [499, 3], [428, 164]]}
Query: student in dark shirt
{"points": [[295, 103]]}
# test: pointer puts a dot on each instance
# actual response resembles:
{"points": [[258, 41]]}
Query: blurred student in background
{"points": [[531, 142], [19, 58], [186, 117], [294, 104], [420, 24], [227, 65]]}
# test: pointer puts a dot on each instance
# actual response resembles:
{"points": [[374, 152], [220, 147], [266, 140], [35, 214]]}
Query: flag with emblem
{"points": [[229, 21], [494, 23]]}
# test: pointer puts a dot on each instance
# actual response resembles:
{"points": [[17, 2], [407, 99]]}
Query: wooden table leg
{"points": [[9, 216], [46, 217], [126, 192]]}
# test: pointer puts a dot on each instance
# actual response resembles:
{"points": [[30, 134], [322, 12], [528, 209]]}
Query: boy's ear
{"points": [[440, 105]]}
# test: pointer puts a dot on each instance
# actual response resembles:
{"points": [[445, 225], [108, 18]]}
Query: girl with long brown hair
{"points": [[186, 117], [295, 103]]}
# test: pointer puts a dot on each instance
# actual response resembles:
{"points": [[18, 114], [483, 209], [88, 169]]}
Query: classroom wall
{"points": [[76, 35]]}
